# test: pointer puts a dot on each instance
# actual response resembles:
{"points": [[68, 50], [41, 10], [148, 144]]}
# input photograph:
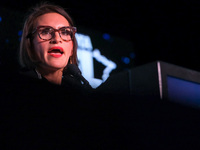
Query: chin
{"points": [[59, 66]]}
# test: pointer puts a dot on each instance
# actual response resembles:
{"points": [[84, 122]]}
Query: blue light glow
{"points": [[0, 18], [126, 60], [20, 33], [183, 91], [106, 36]]}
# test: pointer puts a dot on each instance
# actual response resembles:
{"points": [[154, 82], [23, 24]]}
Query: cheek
{"points": [[69, 48], [39, 48]]}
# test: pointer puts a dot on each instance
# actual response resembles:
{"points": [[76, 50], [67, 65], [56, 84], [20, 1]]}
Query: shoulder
{"points": [[28, 73]]}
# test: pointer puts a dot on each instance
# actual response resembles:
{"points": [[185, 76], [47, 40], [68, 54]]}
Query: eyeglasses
{"points": [[47, 32]]}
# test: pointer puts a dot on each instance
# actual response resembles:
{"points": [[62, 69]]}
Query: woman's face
{"points": [[49, 52]]}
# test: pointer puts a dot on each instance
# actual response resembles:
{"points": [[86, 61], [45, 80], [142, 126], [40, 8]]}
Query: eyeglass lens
{"points": [[47, 33]]}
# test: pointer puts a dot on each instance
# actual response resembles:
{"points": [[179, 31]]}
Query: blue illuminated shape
{"points": [[126, 60], [20, 33], [106, 36], [183, 91], [0, 18]]}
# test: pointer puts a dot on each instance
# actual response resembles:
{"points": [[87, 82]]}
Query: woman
{"points": [[49, 45]]}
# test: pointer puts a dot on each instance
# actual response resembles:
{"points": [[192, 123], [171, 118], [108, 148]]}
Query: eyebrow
{"points": [[53, 27]]}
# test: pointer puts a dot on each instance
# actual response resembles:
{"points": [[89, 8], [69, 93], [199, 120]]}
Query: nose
{"points": [[56, 38]]}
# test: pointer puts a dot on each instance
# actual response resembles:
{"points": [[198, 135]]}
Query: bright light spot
{"points": [[84, 41], [0, 18]]}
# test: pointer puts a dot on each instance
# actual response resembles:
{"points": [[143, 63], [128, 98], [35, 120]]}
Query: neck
{"points": [[53, 76]]}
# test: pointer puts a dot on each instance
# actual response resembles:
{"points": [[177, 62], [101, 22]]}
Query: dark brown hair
{"points": [[27, 56]]}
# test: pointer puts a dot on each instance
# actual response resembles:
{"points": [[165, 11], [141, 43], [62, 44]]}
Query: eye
{"points": [[45, 31], [65, 31]]}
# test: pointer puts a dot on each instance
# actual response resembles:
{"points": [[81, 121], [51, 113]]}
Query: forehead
{"points": [[54, 20]]}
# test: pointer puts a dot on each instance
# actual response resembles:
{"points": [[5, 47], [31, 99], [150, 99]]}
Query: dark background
{"points": [[166, 30], [158, 29]]}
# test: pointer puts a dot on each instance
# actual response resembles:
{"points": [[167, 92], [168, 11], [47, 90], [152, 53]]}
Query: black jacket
{"points": [[70, 84]]}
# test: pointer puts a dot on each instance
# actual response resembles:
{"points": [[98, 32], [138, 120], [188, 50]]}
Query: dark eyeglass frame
{"points": [[72, 29]]}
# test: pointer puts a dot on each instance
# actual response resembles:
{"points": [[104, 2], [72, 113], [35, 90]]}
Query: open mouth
{"points": [[56, 51]]}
